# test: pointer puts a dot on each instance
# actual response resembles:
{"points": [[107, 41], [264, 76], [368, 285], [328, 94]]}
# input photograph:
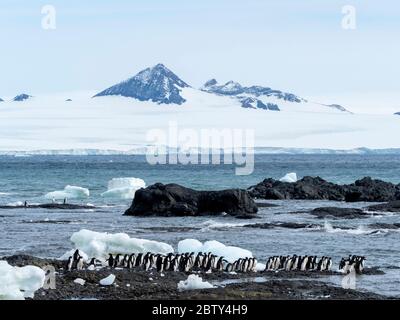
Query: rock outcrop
{"points": [[176, 200], [316, 188]]}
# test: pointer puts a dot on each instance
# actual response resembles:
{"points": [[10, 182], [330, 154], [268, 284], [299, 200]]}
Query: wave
{"points": [[361, 230], [214, 225]]}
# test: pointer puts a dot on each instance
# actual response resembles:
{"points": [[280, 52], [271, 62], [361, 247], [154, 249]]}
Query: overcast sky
{"points": [[292, 45]]}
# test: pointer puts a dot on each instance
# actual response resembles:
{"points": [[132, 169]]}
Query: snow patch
{"points": [[99, 245], [123, 188], [289, 177], [19, 283], [80, 281], [194, 282], [228, 252], [69, 192]]}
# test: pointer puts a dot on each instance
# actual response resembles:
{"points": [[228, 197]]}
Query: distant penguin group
{"points": [[75, 262], [300, 263], [352, 263], [182, 262]]}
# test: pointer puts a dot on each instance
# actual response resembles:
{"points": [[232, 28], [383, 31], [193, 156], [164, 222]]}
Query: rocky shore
{"points": [[142, 285]]}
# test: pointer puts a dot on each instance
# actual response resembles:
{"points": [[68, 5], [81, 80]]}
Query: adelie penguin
{"points": [[110, 260], [79, 264], [69, 264]]}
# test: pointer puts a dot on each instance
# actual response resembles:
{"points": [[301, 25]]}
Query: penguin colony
{"points": [[185, 262], [302, 263], [352, 263], [208, 262]]}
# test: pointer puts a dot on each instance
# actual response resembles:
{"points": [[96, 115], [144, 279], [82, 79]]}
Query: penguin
{"points": [[79, 263], [117, 261], [76, 255], [289, 264], [69, 264], [131, 261], [92, 264], [304, 263], [139, 260], [110, 260], [147, 263], [160, 263], [229, 267], [167, 263], [329, 264]]}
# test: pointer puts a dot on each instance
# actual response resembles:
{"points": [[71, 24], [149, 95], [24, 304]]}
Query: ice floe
{"points": [[289, 177], [69, 192], [194, 282], [228, 252], [99, 245], [123, 188], [18, 283]]}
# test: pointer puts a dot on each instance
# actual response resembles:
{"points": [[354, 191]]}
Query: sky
{"points": [[290, 45]]}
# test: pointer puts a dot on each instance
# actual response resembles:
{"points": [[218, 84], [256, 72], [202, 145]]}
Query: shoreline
{"points": [[150, 285]]}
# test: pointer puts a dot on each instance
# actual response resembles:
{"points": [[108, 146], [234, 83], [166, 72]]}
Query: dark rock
{"points": [[345, 213], [372, 190], [288, 225], [59, 206], [176, 200], [392, 206], [381, 225], [310, 188]]}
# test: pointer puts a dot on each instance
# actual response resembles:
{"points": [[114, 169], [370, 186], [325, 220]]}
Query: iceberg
{"points": [[289, 177], [99, 245], [228, 252], [69, 192], [123, 188], [194, 282], [18, 283]]}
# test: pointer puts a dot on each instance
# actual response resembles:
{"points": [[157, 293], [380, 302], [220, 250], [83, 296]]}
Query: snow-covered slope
{"points": [[119, 124], [22, 97], [157, 84], [258, 97]]}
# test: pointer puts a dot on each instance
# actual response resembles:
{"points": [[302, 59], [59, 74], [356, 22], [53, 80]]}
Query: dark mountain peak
{"points": [[22, 97], [158, 84], [1, 100], [397, 114]]}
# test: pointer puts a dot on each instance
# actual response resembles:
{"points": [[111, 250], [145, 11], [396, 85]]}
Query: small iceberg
{"points": [[123, 188], [69, 192], [19, 283], [230, 253], [194, 282], [289, 177], [99, 245]]}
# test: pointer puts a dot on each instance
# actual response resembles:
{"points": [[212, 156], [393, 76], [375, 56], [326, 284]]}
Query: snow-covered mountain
{"points": [[1, 100], [22, 97], [157, 84], [259, 97], [397, 113]]}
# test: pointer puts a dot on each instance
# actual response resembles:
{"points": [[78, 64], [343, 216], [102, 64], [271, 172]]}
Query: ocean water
{"points": [[46, 233]]}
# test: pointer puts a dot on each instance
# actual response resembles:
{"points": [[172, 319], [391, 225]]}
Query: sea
{"points": [[46, 233]]}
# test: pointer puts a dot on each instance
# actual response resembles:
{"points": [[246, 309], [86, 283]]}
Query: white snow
{"points": [[123, 188], [19, 283], [99, 245], [108, 281], [80, 281], [117, 124], [228, 252], [194, 282], [69, 192], [289, 177]]}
